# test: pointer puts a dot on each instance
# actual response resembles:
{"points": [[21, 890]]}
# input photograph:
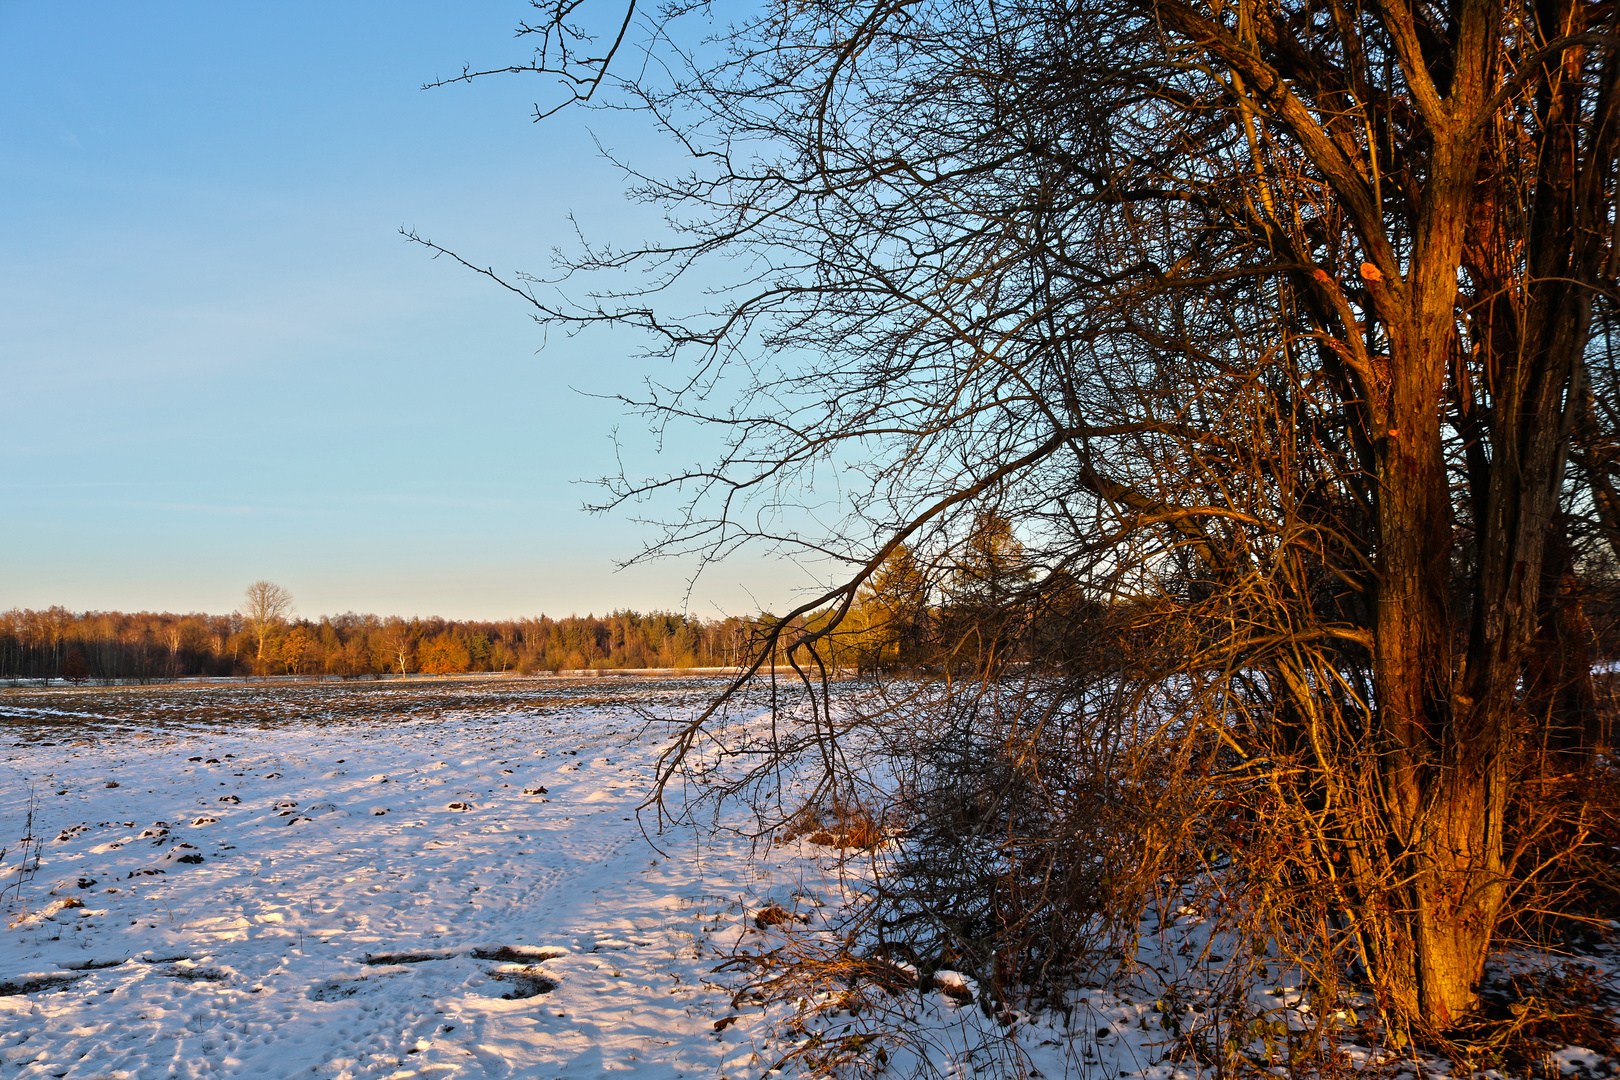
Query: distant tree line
{"points": [[980, 605], [913, 616], [148, 646]]}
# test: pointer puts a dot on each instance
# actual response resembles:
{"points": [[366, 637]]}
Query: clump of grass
{"points": [[837, 823]]}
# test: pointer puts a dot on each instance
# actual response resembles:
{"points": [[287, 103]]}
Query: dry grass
{"points": [[837, 823]]}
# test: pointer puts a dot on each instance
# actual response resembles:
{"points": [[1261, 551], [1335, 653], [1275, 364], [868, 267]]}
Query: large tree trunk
{"points": [[1441, 754], [1442, 760]]}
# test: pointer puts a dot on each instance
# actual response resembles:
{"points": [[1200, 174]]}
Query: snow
{"points": [[452, 880], [374, 897]]}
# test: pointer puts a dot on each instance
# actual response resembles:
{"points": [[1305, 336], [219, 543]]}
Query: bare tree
{"points": [[265, 605], [1281, 320], [400, 638]]}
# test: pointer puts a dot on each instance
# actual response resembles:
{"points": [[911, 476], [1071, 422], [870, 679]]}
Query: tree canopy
{"points": [[1286, 323]]}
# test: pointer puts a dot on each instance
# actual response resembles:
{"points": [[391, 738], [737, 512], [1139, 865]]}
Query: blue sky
{"points": [[219, 361]]}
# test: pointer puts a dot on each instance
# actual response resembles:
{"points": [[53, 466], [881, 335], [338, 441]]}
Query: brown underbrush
{"points": [[1039, 839], [1529, 1016]]}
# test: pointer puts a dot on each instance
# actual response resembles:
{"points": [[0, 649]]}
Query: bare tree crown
{"points": [[1284, 324]]}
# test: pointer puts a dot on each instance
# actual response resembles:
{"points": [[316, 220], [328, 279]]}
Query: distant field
{"points": [[95, 712]]}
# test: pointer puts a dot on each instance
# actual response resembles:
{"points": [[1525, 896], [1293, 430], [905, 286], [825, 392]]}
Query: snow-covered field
{"points": [[450, 879], [338, 882]]}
